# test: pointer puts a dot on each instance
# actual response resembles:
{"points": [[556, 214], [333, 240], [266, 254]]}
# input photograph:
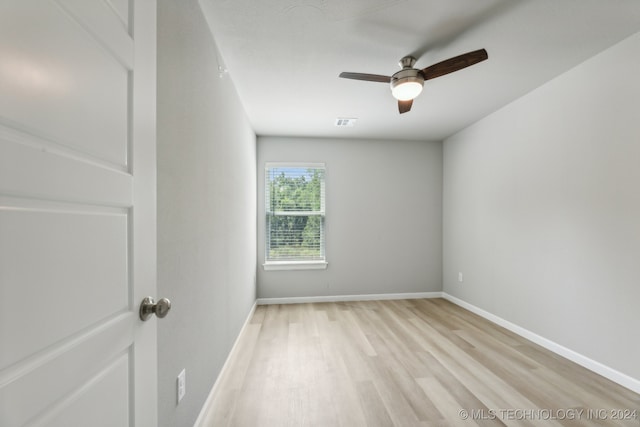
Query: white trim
{"points": [[336, 298], [209, 401], [295, 265], [309, 165], [618, 377]]}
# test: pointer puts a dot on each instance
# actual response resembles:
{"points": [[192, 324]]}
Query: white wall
{"points": [[542, 210], [206, 211], [383, 217]]}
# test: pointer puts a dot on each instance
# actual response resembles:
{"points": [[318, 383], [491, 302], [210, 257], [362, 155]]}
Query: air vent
{"points": [[344, 122]]}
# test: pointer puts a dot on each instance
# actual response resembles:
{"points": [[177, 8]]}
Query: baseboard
{"points": [[230, 356], [624, 380], [336, 298]]}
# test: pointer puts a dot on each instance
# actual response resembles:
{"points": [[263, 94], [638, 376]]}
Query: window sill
{"points": [[295, 265]]}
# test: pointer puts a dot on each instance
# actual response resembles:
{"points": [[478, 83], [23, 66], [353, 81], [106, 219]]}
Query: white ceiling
{"points": [[284, 57]]}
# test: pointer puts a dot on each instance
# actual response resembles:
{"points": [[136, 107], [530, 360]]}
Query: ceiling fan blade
{"points": [[404, 106], [454, 64], [367, 77]]}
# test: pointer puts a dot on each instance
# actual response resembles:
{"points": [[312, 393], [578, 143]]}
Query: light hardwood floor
{"points": [[424, 362]]}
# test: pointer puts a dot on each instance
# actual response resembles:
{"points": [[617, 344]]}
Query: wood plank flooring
{"points": [[424, 362]]}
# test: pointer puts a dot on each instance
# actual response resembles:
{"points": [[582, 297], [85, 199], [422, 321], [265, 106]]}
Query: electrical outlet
{"points": [[460, 278], [181, 385]]}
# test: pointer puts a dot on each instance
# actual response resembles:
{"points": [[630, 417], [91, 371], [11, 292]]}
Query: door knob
{"points": [[149, 307]]}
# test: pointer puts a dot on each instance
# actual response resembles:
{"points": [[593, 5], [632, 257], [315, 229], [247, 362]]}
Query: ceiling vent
{"points": [[343, 122]]}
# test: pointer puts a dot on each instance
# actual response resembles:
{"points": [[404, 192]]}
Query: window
{"points": [[294, 207]]}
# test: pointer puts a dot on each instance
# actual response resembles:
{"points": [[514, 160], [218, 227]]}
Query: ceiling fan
{"points": [[407, 83]]}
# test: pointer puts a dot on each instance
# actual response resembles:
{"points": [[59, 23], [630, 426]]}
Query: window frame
{"points": [[292, 264]]}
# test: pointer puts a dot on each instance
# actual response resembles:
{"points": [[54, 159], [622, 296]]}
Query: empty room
{"points": [[319, 213]]}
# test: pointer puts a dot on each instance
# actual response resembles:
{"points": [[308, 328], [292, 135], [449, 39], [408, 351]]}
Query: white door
{"points": [[77, 212]]}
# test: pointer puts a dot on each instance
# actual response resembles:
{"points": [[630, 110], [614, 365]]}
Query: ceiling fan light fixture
{"points": [[407, 83], [406, 88]]}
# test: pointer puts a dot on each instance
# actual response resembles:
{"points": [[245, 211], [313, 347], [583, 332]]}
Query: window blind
{"points": [[295, 212]]}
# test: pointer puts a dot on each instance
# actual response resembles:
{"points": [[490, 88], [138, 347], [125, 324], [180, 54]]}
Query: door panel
{"points": [[60, 82], [83, 254], [38, 386], [86, 403], [58, 172], [77, 213]]}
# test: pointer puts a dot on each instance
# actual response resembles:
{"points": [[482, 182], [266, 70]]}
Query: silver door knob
{"points": [[149, 307]]}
